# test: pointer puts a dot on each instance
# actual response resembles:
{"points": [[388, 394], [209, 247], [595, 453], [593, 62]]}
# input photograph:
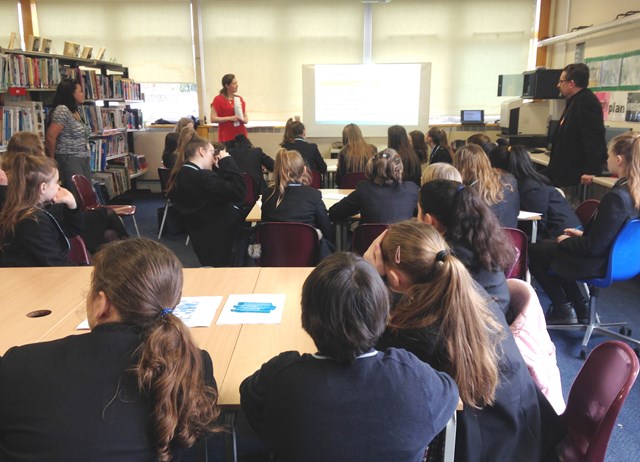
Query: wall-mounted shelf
{"points": [[590, 30]]}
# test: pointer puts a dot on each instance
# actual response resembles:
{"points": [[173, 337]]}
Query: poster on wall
{"points": [[594, 73], [610, 74], [604, 97], [633, 107], [617, 106], [630, 70]]}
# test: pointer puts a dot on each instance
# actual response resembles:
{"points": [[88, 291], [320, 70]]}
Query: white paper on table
{"points": [[237, 109], [334, 196], [193, 311], [528, 215], [273, 317]]}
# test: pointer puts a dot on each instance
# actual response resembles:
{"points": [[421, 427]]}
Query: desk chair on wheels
{"points": [[624, 263]]}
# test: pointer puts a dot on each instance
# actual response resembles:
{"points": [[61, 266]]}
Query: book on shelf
{"points": [[46, 45], [19, 117], [24, 71], [71, 49], [86, 52], [33, 43], [35, 112], [100, 54], [12, 41]]}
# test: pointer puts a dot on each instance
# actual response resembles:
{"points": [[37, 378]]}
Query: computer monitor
{"points": [[472, 116], [611, 132]]}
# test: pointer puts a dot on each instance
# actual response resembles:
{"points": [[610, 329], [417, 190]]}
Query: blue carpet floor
{"points": [[620, 302]]}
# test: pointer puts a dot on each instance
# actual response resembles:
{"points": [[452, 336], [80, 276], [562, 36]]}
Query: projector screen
{"points": [[373, 96]]}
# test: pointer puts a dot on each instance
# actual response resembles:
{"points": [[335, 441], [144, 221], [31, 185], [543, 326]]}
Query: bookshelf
{"points": [[28, 81]]}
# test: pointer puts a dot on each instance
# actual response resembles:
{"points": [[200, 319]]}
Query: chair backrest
{"points": [[519, 240], [78, 252], [287, 244], [316, 179], [624, 259], [350, 180], [251, 194], [595, 399], [365, 234], [163, 175], [88, 199], [586, 209]]}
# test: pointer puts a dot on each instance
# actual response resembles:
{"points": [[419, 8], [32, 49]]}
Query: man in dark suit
{"points": [[309, 151], [579, 148]]}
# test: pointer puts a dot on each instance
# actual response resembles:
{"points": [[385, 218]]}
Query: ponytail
{"points": [[443, 297], [289, 168], [627, 145], [188, 142]]}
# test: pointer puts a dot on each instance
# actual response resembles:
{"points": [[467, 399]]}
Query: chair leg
{"points": [[164, 217], [135, 224], [187, 242]]}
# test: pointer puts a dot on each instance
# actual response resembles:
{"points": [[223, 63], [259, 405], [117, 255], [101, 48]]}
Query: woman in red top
{"points": [[223, 112]]}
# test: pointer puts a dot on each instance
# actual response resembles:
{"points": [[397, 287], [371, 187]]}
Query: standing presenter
{"points": [[228, 110]]}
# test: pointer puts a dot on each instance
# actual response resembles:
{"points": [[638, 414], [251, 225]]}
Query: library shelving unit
{"points": [[28, 81]]}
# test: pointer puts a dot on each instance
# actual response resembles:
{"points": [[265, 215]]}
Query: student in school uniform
{"points": [[473, 232], [536, 192], [136, 387], [309, 151], [385, 198], [398, 140], [291, 200], [499, 190], [584, 254], [348, 402], [252, 160], [440, 150], [446, 320], [204, 185], [30, 235], [171, 142], [355, 152]]}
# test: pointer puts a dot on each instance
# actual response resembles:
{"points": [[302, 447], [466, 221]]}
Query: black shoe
{"points": [[562, 314], [582, 311]]}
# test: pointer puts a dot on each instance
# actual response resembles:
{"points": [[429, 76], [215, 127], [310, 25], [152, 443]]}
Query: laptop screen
{"points": [[472, 116]]}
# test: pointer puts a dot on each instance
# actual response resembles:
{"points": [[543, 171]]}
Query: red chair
{"points": [[316, 179], [350, 180], [586, 209], [78, 251], [89, 200], [365, 234], [251, 194], [595, 399], [287, 244], [520, 268]]}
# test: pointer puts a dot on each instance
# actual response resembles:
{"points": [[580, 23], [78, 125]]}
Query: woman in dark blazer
{"points": [[31, 236], [124, 391], [585, 254], [536, 192], [385, 198], [291, 200], [204, 185]]}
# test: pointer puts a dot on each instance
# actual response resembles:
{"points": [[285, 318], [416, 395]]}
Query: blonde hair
{"points": [[443, 297], [440, 171], [289, 167], [628, 146], [141, 278], [474, 167], [356, 150], [23, 191]]}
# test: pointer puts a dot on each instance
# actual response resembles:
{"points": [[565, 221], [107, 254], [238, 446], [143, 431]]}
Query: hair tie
{"points": [[460, 188], [440, 256], [473, 183], [164, 312]]}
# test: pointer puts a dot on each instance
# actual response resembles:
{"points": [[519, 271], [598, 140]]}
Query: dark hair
{"points": [[468, 219], [64, 94], [297, 128], [479, 139], [141, 277], [515, 160], [419, 145], [226, 80], [345, 306], [170, 143], [579, 73], [398, 140], [385, 168], [287, 136]]}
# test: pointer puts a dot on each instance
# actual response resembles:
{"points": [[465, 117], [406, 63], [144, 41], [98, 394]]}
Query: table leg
{"points": [[534, 231], [230, 443]]}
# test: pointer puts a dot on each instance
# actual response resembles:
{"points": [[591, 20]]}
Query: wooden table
{"points": [[606, 181], [540, 159]]}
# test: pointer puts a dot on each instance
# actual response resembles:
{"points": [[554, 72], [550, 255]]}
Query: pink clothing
{"points": [[227, 131], [530, 331]]}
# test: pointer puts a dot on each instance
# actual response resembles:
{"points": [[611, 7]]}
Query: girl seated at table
{"points": [[204, 185], [440, 171], [347, 402], [582, 255], [398, 140], [385, 198], [135, 388], [355, 152], [447, 321], [30, 235], [291, 200], [440, 149], [473, 232], [536, 191], [499, 190]]}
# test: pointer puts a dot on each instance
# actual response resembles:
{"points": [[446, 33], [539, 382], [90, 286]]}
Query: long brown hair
{"points": [[140, 278], [288, 168], [287, 136], [398, 140], [474, 166], [443, 296], [188, 144], [356, 150], [439, 138], [23, 190], [385, 168], [628, 146], [21, 143]]}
